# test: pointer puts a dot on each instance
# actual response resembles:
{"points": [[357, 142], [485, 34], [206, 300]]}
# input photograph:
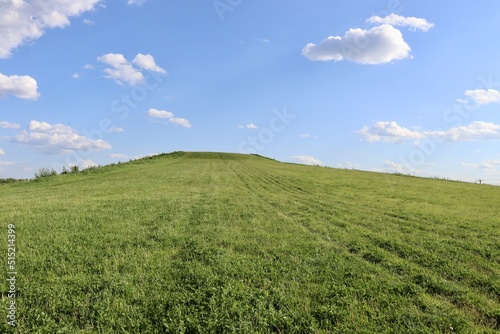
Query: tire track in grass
{"points": [[421, 269], [274, 185], [299, 206]]}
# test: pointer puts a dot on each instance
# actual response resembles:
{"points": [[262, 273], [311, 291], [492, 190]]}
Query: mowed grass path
{"points": [[226, 243]]}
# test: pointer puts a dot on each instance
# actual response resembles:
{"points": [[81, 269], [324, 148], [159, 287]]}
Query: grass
{"points": [[228, 243]]}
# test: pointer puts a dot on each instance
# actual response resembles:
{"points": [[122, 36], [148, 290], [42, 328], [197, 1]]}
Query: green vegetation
{"points": [[228, 243]]}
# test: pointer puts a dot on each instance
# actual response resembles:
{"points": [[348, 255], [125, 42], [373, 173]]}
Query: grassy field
{"points": [[227, 243]]}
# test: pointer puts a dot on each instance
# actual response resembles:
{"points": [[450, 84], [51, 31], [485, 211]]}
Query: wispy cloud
{"points": [[397, 20], [136, 2], [307, 136], [394, 167], [118, 156], [391, 132], [348, 165], [117, 130], [306, 160], [489, 165], [7, 125]]}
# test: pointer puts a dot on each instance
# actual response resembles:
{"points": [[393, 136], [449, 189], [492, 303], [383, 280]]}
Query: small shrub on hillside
{"points": [[45, 172]]}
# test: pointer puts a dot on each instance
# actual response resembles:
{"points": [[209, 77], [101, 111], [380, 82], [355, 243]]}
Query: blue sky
{"points": [[391, 86]]}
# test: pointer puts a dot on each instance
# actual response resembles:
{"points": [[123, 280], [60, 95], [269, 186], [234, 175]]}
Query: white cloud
{"points": [[377, 45], [391, 132], [306, 160], [88, 22], [167, 115], [251, 126], [490, 165], [23, 87], [24, 21], [482, 96], [307, 136], [181, 121], [263, 40], [6, 163], [348, 165], [388, 132], [118, 156], [122, 71], [84, 164], [116, 130], [2, 152], [159, 113], [136, 2], [57, 139], [147, 62], [401, 21], [7, 125], [89, 67], [394, 167]]}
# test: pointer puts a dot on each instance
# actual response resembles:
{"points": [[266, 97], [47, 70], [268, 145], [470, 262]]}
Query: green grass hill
{"points": [[230, 243]]}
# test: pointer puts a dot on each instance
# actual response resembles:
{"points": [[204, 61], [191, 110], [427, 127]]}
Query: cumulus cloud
{"points": [[123, 72], [484, 96], [7, 125], [57, 139], [377, 45], [397, 20], [147, 62], [167, 115], [2, 152], [388, 132], [306, 160], [23, 87], [160, 113], [391, 132], [24, 21]]}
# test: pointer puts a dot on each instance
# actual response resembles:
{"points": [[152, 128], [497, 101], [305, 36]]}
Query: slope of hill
{"points": [[218, 242]]}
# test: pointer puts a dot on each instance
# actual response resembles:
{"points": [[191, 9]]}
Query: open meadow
{"points": [[230, 243]]}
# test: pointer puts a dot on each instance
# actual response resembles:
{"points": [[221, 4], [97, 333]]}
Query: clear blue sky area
{"points": [[394, 86]]}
